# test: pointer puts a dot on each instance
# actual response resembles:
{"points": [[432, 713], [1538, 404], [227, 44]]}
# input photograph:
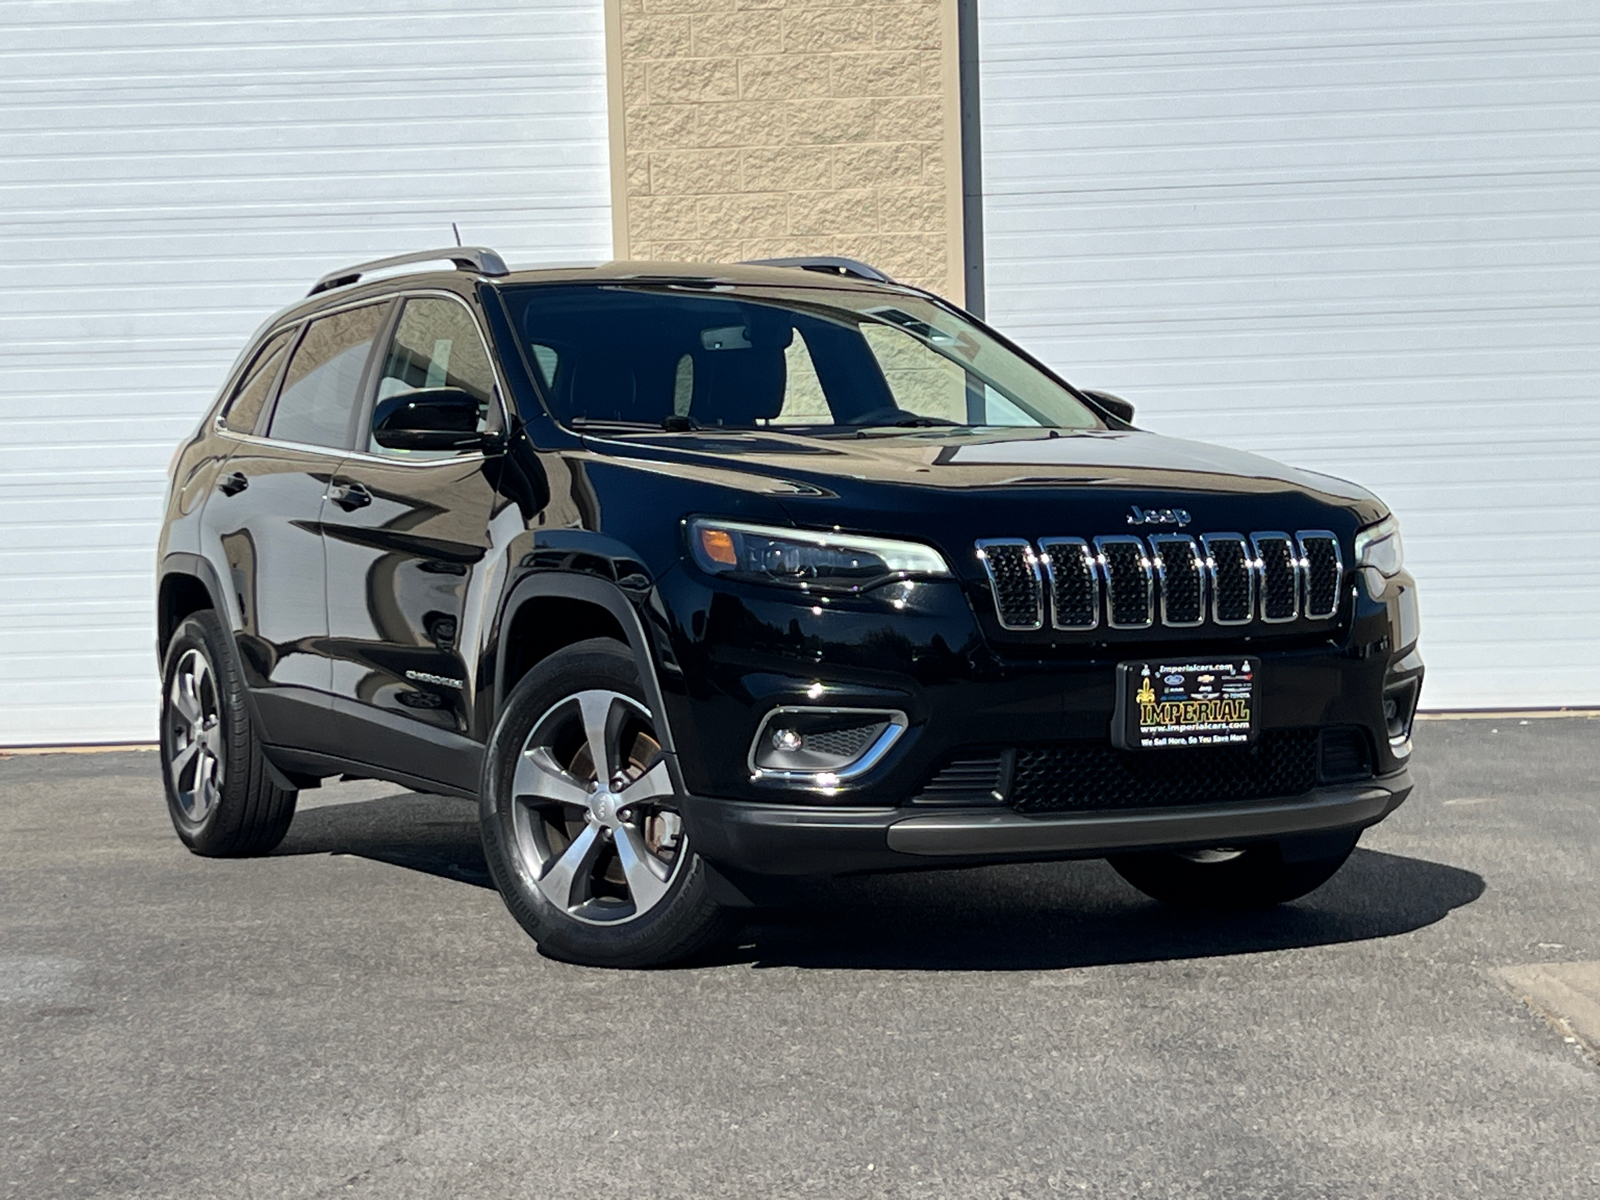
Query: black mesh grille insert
{"points": [[1074, 583], [1321, 553], [1183, 592], [1128, 578], [1088, 776], [845, 743], [1280, 590], [1016, 586], [1231, 575]]}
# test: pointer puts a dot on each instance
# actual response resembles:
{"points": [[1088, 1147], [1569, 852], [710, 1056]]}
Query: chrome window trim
{"points": [[1032, 559], [489, 355], [1158, 540], [1091, 560], [1296, 573], [1123, 539], [1301, 536], [343, 455], [898, 723], [221, 429], [1252, 570]]}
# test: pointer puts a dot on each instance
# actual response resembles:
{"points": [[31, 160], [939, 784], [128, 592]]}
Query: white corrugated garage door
{"points": [[170, 174], [1359, 237]]}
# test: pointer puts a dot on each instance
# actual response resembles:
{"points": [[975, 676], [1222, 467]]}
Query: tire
{"points": [[1257, 876], [219, 788], [599, 876]]}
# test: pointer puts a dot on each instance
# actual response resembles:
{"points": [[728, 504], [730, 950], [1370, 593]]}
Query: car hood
{"points": [[821, 478]]}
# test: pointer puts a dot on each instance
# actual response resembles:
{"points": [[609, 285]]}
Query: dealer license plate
{"points": [[1187, 702]]}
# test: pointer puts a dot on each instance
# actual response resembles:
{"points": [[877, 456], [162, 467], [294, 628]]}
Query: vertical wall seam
{"points": [[971, 158]]}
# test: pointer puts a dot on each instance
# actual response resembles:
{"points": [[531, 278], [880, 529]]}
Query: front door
{"points": [[407, 536]]}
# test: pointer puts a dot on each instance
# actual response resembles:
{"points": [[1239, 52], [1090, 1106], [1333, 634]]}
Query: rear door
{"points": [[263, 526], [408, 536]]}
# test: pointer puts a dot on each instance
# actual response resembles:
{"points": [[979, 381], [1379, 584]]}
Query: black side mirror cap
{"points": [[1119, 408], [444, 418]]}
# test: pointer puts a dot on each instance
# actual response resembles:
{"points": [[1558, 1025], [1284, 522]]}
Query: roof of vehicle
{"points": [[477, 263]]}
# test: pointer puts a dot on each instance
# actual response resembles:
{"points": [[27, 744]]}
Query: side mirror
{"points": [[1115, 405], [443, 418]]}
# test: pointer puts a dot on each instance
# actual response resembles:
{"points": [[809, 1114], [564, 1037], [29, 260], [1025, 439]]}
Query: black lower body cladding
{"points": [[804, 840]]}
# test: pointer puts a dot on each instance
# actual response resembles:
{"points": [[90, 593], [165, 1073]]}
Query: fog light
{"points": [[820, 747], [787, 740], [1399, 711]]}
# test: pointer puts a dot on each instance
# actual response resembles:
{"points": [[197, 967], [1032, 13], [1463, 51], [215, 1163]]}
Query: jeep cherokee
{"points": [[696, 577]]}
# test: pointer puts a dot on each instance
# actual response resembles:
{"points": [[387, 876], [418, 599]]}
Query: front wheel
{"points": [[1222, 877], [580, 818]]}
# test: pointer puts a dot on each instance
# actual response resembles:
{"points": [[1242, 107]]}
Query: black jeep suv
{"points": [[695, 577]]}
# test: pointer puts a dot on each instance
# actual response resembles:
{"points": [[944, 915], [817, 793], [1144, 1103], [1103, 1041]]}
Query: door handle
{"points": [[232, 485], [350, 496]]}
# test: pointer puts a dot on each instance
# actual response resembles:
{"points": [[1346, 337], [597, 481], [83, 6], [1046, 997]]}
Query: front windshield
{"points": [[682, 357]]}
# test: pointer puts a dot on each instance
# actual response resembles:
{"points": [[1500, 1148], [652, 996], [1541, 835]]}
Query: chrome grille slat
{"points": [[1014, 581], [1233, 578], [1279, 564], [1324, 571], [1130, 581], [1073, 575], [1182, 573], [1180, 581]]}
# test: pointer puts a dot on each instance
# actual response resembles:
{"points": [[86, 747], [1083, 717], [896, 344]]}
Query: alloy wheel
{"points": [[194, 737], [595, 827]]}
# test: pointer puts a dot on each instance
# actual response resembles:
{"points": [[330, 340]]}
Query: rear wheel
{"points": [[581, 824], [220, 793], [1222, 877]]}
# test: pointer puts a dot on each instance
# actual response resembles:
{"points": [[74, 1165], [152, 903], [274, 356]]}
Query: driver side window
{"points": [[435, 345]]}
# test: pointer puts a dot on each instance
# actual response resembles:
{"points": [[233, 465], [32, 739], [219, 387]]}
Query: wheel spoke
{"points": [[640, 868], [538, 774], [654, 783], [568, 876], [596, 710], [204, 788], [185, 697], [180, 762]]}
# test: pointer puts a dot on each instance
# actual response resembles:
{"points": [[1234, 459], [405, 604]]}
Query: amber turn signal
{"points": [[718, 546]]}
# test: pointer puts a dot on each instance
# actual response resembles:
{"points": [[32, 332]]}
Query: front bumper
{"points": [[769, 839]]}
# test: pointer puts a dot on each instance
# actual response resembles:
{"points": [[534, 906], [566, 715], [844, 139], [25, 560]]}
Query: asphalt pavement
{"points": [[357, 1015]]}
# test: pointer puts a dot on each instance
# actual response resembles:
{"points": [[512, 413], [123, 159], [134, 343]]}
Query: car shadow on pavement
{"points": [[991, 918], [1079, 914], [437, 835]]}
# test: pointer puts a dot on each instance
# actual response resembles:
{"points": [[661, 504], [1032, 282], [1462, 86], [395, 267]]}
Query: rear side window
{"points": [[244, 410], [324, 376]]}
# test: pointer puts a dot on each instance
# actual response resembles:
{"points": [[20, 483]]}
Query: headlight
{"points": [[1379, 553], [801, 558]]}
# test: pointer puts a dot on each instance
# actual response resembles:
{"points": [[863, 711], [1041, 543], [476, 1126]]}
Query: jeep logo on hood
{"points": [[1159, 516]]}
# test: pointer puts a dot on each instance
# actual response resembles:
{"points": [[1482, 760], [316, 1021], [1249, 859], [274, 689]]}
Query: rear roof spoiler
{"points": [[466, 258]]}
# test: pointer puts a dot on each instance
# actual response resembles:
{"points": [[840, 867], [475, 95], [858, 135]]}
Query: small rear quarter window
{"points": [[244, 409]]}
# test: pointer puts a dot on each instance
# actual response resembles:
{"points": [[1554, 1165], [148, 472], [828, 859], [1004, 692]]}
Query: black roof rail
{"points": [[466, 258], [826, 265]]}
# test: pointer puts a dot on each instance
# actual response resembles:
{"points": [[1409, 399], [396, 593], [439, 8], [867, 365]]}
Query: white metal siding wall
{"points": [[1358, 237], [171, 173]]}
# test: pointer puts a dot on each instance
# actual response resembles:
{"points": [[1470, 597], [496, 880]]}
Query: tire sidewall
{"points": [[674, 926]]}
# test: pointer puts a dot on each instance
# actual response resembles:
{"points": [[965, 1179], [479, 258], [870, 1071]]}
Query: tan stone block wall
{"points": [[768, 128]]}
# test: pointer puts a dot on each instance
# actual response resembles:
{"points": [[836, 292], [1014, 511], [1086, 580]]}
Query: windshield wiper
{"points": [[679, 423], [912, 421]]}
